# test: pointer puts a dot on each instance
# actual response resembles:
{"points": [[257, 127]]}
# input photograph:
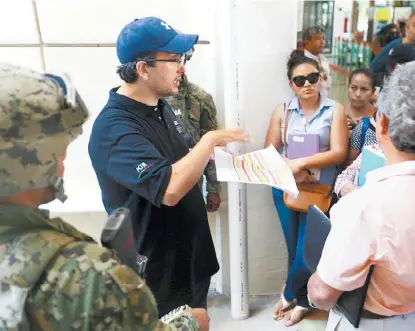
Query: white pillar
{"points": [[255, 37], [231, 23]]}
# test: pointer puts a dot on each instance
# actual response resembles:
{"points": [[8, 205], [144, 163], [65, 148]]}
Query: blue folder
{"points": [[371, 160]]}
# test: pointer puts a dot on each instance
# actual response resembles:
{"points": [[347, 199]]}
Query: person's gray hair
{"points": [[311, 31], [397, 103]]}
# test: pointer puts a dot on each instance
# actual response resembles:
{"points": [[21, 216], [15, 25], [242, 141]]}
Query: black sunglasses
{"points": [[311, 78]]}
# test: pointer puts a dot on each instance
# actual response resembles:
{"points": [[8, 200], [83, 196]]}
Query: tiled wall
{"points": [[90, 23]]}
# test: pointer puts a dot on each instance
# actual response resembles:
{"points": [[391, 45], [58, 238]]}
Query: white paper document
{"points": [[265, 166]]}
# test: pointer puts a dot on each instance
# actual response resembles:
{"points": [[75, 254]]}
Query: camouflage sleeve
{"points": [[86, 288], [212, 184], [208, 122]]}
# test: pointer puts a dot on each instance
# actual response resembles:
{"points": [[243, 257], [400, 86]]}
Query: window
{"points": [[320, 13]]}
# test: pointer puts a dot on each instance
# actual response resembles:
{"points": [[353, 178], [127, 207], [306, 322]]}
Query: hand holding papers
{"points": [[265, 166]]}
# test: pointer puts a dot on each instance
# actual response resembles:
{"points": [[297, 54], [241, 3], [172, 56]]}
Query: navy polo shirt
{"points": [[132, 148]]}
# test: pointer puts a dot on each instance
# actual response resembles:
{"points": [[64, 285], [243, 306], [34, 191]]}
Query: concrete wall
{"points": [[342, 9], [270, 31]]}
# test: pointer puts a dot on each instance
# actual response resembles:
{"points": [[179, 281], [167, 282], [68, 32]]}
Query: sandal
{"points": [[296, 316], [282, 307]]}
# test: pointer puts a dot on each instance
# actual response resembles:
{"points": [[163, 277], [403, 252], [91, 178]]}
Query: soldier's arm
{"points": [[91, 290], [212, 184], [208, 122]]}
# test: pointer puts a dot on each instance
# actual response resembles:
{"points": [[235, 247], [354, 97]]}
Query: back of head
{"points": [[387, 28], [397, 101], [387, 34], [297, 58], [40, 114]]}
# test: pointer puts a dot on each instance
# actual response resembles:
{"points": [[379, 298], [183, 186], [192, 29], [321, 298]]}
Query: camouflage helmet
{"points": [[40, 115], [189, 54]]}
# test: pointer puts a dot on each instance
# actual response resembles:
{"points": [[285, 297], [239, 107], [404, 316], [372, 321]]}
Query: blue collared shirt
{"points": [[319, 124]]}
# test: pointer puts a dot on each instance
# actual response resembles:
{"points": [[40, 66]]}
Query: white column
{"points": [[231, 22], [255, 37]]}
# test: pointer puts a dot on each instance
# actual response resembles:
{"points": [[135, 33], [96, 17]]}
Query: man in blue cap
{"points": [[142, 161], [398, 55]]}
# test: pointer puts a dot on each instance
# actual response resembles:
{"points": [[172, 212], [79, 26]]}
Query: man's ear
{"points": [[383, 124], [142, 71]]}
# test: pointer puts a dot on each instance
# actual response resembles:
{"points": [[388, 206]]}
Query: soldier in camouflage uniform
{"points": [[53, 277], [196, 112]]}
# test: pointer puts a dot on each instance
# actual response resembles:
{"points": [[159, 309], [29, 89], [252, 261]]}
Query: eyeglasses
{"points": [[311, 78], [181, 61]]}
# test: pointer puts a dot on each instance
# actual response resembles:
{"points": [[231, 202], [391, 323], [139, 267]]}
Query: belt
{"points": [[372, 316]]}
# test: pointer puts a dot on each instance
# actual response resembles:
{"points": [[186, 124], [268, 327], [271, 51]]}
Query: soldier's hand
{"points": [[202, 318], [226, 136], [212, 202]]}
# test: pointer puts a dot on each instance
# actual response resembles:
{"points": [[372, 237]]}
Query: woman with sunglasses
{"points": [[307, 112]]}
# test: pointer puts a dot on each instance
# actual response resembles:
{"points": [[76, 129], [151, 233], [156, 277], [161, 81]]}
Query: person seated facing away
{"points": [[375, 225], [54, 277], [314, 42]]}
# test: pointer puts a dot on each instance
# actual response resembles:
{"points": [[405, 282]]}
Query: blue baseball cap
{"points": [[401, 54], [151, 34]]}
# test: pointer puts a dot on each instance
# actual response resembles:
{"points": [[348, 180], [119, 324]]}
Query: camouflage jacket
{"points": [[196, 113], [52, 277]]}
